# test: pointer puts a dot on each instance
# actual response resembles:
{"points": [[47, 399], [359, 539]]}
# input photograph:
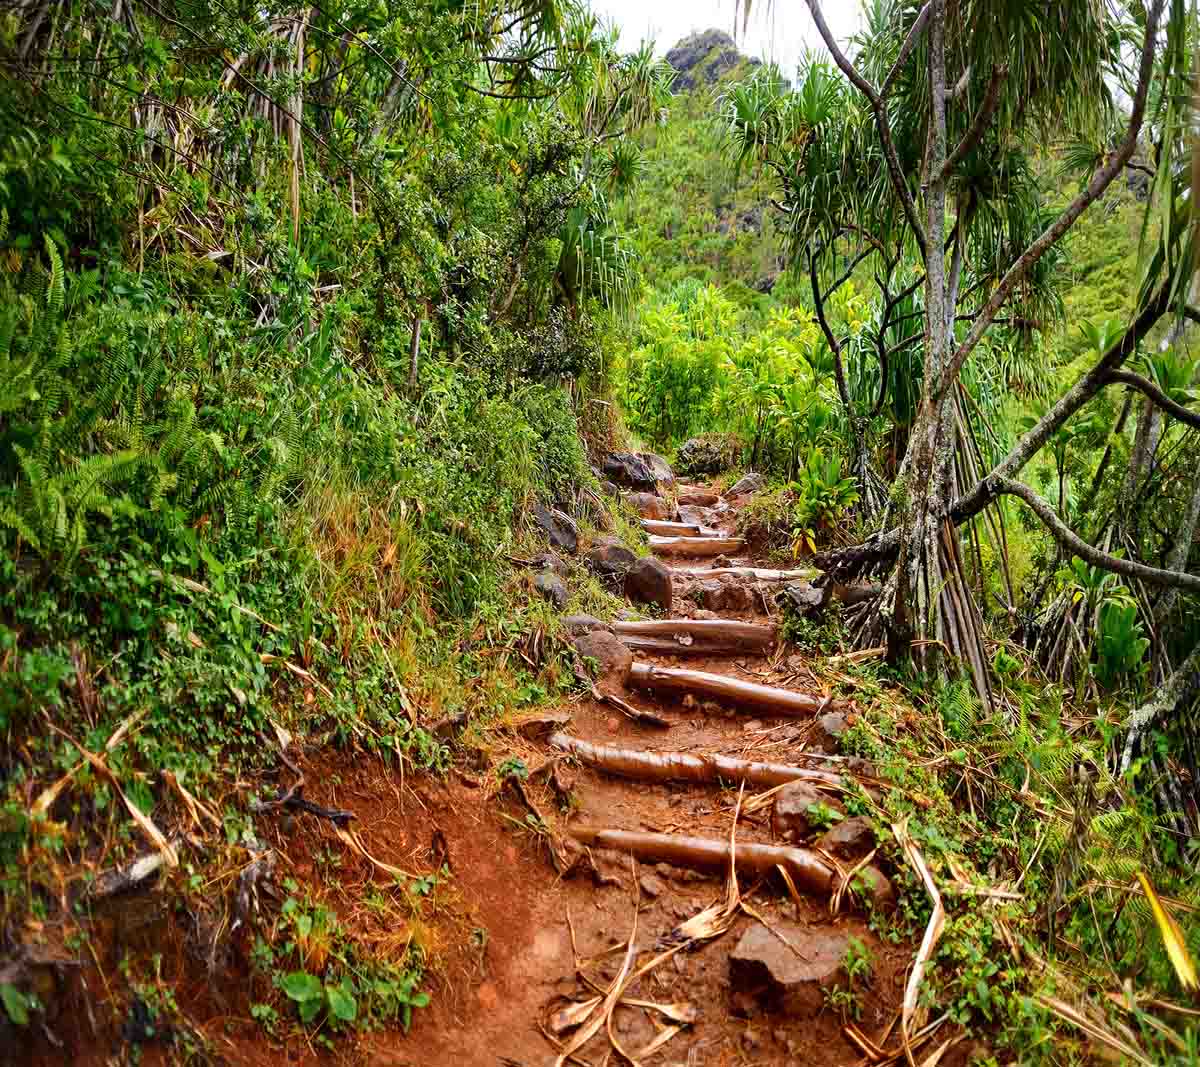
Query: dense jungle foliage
{"points": [[303, 310]]}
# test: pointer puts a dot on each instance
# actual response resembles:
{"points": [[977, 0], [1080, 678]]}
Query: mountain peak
{"points": [[702, 58]]}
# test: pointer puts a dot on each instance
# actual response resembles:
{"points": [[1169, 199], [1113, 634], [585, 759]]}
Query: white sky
{"points": [[778, 31]]}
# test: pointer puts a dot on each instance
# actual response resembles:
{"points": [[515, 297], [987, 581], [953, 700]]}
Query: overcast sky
{"points": [[780, 34]]}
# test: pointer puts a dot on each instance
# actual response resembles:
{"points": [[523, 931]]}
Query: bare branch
{"points": [[977, 498], [835, 347], [906, 48], [881, 119], [978, 126], [1100, 181], [1072, 542], [1146, 386]]}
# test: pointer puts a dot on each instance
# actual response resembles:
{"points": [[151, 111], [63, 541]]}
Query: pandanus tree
{"points": [[914, 155]]}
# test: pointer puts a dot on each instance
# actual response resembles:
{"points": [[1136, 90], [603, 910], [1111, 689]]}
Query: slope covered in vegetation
{"points": [[316, 323]]}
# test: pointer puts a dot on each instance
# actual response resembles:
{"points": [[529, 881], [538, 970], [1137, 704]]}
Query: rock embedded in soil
{"points": [[551, 561], [648, 581], [802, 597], [700, 455], [608, 557], [874, 890], [850, 839], [791, 817], [748, 483], [558, 527], [551, 586], [613, 658], [576, 625], [827, 732], [648, 505], [652, 888], [629, 470], [765, 971]]}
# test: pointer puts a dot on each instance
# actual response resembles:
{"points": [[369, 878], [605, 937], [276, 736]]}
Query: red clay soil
{"points": [[500, 930]]}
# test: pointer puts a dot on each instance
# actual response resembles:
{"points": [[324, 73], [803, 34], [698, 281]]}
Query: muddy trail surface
{"points": [[616, 934]]}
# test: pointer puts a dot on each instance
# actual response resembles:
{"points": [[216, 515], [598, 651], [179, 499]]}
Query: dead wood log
{"points": [[761, 574], [767, 698], [644, 765], [806, 867], [695, 546], [670, 529], [749, 635]]}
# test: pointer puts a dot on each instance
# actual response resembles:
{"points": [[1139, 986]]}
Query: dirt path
{"points": [[556, 942]]}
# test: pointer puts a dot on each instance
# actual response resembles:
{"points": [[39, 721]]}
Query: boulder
{"points": [[558, 527], [706, 455], [745, 485], [791, 816], [608, 488], [851, 839], [827, 730], [648, 505], [552, 587], [575, 625], [648, 581], [697, 515], [660, 468], [764, 969], [629, 470], [613, 658], [608, 557], [726, 593]]}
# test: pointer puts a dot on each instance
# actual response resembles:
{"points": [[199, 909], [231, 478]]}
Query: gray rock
{"points": [[727, 593], [746, 484], [782, 980], [660, 467], [648, 505], [648, 581], [558, 527], [551, 586], [629, 470], [697, 515], [576, 625], [710, 454], [613, 658], [804, 598], [551, 561], [790, 816], [851, 839]]}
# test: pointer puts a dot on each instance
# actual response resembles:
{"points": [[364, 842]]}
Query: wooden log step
{"points": [[808, 870], [661, 526], [695, 546], [761, 574], [648, 766], [665, 646], [782, 702], [748, 635]]}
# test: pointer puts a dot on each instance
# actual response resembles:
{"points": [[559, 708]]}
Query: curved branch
{"points": [[906, 48], [977, 498], [1072, 542], [1100, 181], [881, 119], [1148, 388], [839, 372], [982, 117]]}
